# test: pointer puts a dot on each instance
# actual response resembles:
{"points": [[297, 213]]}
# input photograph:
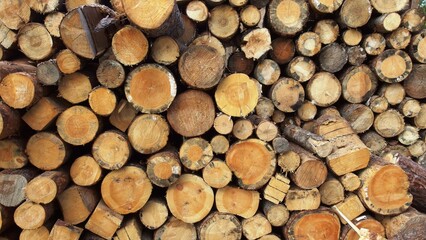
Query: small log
{"points": [[64, 230], [129, 45], [283, 50], [319, 84], [287, 17], [102, 101], [327, 29], [374, 44], [164, 168], [126, 190], [358, 84], [80, 32], [316, 224], [220, 144], [111, 150], [280, 145], [110, 73], [243, 129], [267, 72], [351, 207], [20, 90], [47, 186], [154, 213], [277, 214], [266, 130], [301, 68], [278, 116], [308, 44], [417, 149], [409, 135], [201, 203], [217, 174], [223, 124], [197, 11], [165, 50], [250, 15], [85, 171], [350, 182], [239, 63], [35, 50], [409, 107], [256, 43], [323, 6], [75, 87], [243, 203], [413, 19], [43, 113], [129, 230], [383, 194], [351, 37], [359, 116], [333, 57], [48, 72], [331, 191], [289, 161], [394, 93], [392, 66], [123, 115], [390, 6], [219, 224], [386, 22], [77, 203], [31, 215], [148, 133], [365, 222], [417, 45], [223, 21], [68, 62], [356, 55], [351, 16], [104, 222], [265, 108], [176, 228], [276, 189], [195, 153], [12, 154], [83, 127], [192, 113], [256, 226], [52, 21], [389, 123], [287, 94], [40, 233], [399, 39], [378, 104], [408, 225], [299, 199], [414, 84]]}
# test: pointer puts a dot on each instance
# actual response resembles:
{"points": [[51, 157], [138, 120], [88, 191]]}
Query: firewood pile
{"points": [[214, 119]]}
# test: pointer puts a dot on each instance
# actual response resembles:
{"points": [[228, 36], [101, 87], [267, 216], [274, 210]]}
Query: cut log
{"points": [[31, 215], [126, 190], [253, 168], [20, 90], [129, 45], [12, 154], [350, 182], [277, 214], [332, 192], [408, 225], [197, 11], [324, 82], [75, 87], [392, 66], [327, 29], [68, 62], [409, 135], [164, 168], [267, 72], [239, 63], [413, 19], [40, 233], [195, 153], [223, 124], [378, 104], [217, 174], [243, 129], [256, 43], [417, 46], [148, 133], [52, 21], [299, 199], [102, 101], [64, 230], [265, 108], [189, 31], [414, 84], [192, 113], [359, 116], [80, 32], [14, 14], [374, 44], [323, 6], [123, 115], [409, 107], [111, 150], [301, 68], [250, 15], [104, 222], [320, 224], [77, 125], [129, 230], [390, 6], [280, 145], [351, 207], [358, 84], [6, 218], [71, 4], [351, 153], [256, 226], [351, 37], [219, 225], [399, 39], [289, 161], [287, 17], [194, 209], [110, 73], [417, 149], [165, 50], [283, 50], [287, 94], [35, 41], [9, 121], [355, 13], [14, 181], [175, 228], [394, 93], [356, 55], [276, 189], [243, 203], [209, 40], [365, 222], [154, 213], [266, 130], [389, 123], [278, 116], [220, 144], [385, 188], [333, 58], [43, 113], [48, 72], [77, 203], [223, 22], [386, 22], [308, 44], [47, 186], [85, 171]]}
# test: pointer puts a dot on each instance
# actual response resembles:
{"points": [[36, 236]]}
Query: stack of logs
{"points": [[214, 119]]}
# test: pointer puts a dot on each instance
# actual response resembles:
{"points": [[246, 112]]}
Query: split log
{"points": [[192, 113], [38, 49], [43, 113], [175, 228], [48, 72], [277, 214], [256, 43], [350, 182], [301, 68], [110, 73], [324, 82], [77, 203], [9, 121], [358, 84], [126, 190], [12, 154], [331, 191], [14, 181], [243, 203], [164, 168], [20, 90], [351, 207], [389, 123], [154, 213], [348, 8], [123, 115], [365, 222], [392, 66], [199, 206], [47, 186], [64, 230], [219, 225], [31, 215], [332, 58], [256, 226], [104, 222], [287, 94], [217, 174], [359, 116], [223, 22], [287, 17], [85, 171], [129, 230], [408, 225], [129, 45], [283, 50], [52, 21], [277, 188], [253, 168], [319, 224], [267, 71], [148, 133]]}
